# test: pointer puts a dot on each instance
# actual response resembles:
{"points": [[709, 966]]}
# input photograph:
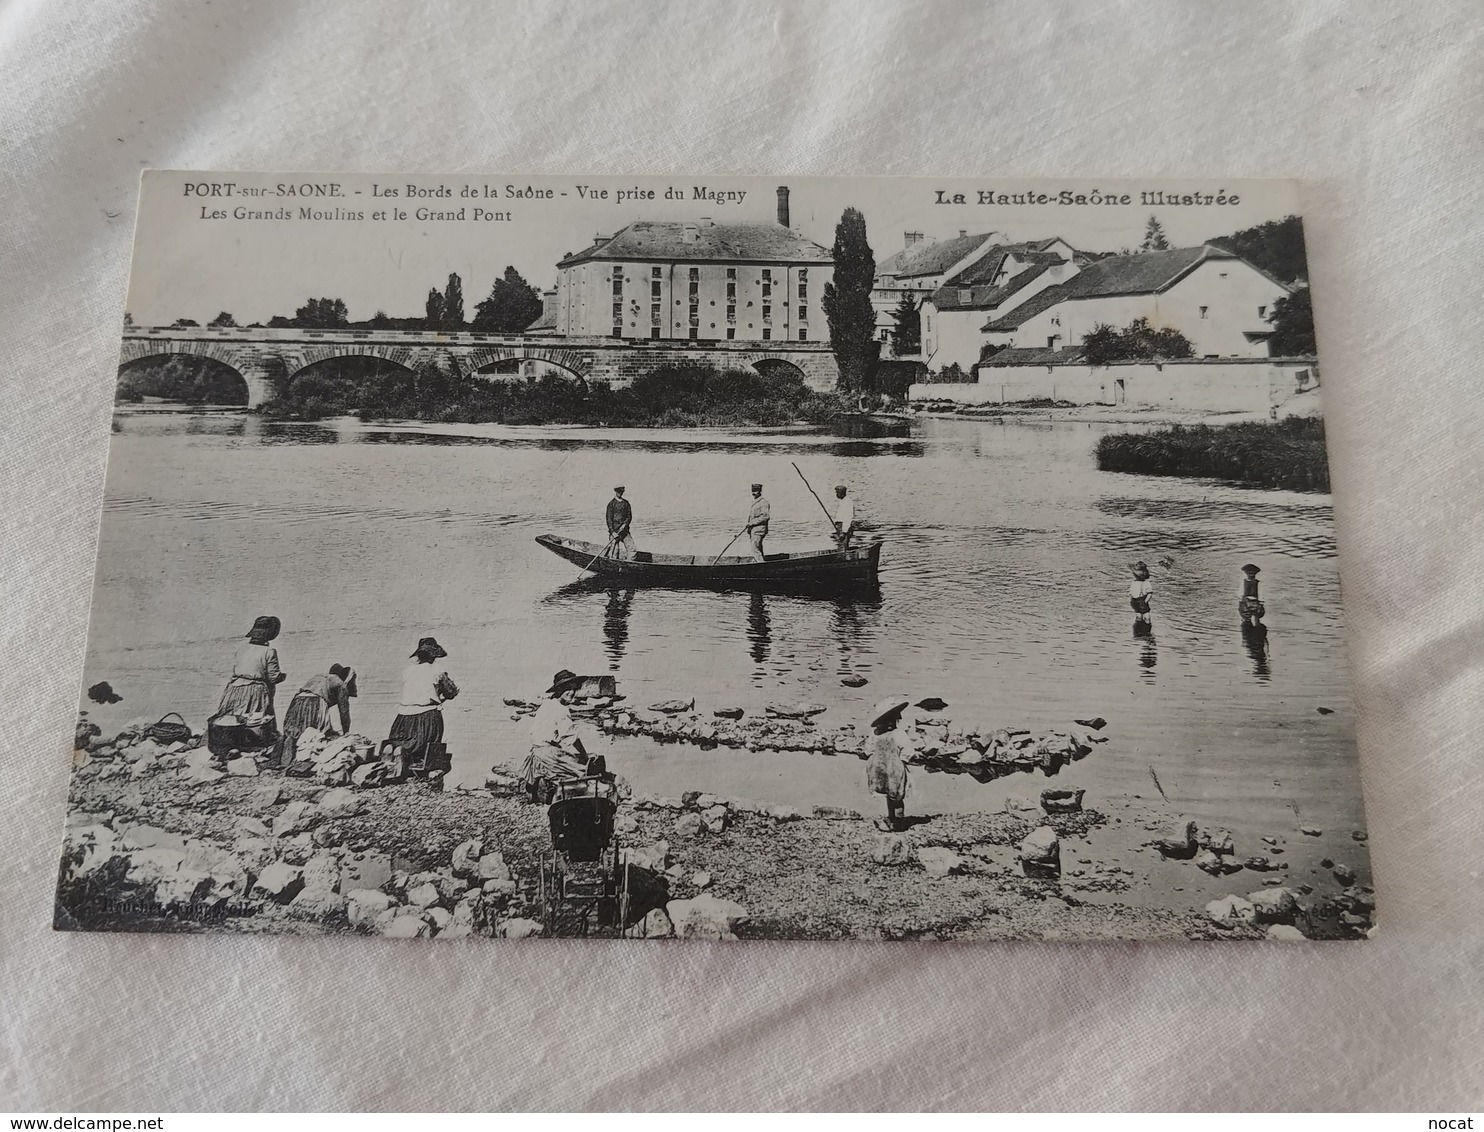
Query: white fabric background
{"points": [[1376, 107]]}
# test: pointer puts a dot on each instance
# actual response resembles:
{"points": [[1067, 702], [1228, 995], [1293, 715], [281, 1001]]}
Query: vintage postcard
{"points": [[717, 558]]}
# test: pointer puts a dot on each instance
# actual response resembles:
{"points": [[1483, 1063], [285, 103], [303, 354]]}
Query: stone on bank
{"points": [[705, 917], [1040, 854]]}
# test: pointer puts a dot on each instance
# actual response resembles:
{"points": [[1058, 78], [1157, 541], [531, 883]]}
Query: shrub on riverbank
{"points": [[1288, 454], [685, 395]]}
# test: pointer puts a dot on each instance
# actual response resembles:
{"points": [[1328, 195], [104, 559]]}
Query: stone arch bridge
{"points": [[268, 359]]}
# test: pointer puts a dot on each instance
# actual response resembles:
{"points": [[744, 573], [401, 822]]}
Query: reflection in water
{"points": [[759, 628], [1149, 653], [616, 625], [755, 444], [1255, 638], [849, 625]]}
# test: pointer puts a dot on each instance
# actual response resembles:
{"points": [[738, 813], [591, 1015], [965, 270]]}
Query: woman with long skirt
{"points": [[255, 673], [311, 707], [417, 732]]}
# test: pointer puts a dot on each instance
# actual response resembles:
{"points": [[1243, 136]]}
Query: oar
{"points": [[601, 554], [728, 546], [828, 517]]}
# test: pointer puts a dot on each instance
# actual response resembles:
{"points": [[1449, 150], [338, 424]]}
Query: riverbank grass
{"points": [[1284, 454]]}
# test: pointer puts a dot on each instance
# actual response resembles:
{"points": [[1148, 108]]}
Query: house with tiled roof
{"points": [[695, 280], [1002, 273], [1216, 299], [920, 268]]}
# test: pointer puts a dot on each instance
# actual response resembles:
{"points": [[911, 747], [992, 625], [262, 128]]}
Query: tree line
{"points": [[511, 307]]}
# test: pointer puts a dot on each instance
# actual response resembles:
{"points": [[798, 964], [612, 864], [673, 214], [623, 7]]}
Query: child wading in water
{"points": [[1140, 591], [1249, 608]]}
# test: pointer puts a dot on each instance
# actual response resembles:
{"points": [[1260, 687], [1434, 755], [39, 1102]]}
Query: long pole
{"points": [[602, 554], [828, 517], [728, 546]]}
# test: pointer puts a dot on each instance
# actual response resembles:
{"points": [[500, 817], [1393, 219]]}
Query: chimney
{"points": [[783, 205], [690, 234], [910, 238], [706, 222]]}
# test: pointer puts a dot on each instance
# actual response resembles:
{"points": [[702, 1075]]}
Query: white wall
{"points": [[956, 338], [1232, 386]]}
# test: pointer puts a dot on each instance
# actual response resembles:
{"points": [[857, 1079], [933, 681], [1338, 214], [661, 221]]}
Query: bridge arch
{"points": [[219, 381], [770, 364], [572, 363], [358, 380]]}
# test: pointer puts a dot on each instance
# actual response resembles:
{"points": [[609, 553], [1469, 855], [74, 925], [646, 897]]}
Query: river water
{"points": [[1004, 590]]}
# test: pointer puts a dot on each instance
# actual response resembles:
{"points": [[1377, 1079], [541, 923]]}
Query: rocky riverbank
{"points": [[158, 838], [983, 754]]}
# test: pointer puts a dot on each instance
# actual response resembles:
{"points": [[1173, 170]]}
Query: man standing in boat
{"points": [[844, 517], [620, 518], [757, 521]]}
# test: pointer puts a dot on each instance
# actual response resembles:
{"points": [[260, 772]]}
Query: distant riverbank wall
{"points": [[1220, 385]]}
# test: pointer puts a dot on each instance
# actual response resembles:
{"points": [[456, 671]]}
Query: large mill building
{"points": [[695, 281]]}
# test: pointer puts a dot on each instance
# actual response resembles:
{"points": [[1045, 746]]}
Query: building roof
{"points": [[1034, 356], [930, 257], [1147, 273], [714, 243], [949, 297], [979, 276], [986, 267]]}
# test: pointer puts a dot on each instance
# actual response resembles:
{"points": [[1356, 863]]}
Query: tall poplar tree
{"points": [[453, 304], [434, 309], [847, 303]]}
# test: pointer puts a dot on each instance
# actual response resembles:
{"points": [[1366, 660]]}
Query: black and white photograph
{"points": [[714, 558]]}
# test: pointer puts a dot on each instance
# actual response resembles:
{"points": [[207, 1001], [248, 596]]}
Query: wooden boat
{"points": [[826, 570]]}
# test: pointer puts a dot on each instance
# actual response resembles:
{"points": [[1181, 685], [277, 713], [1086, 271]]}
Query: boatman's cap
{"points": [[618, 488], [1252, 568], [430, 648], [757, 487], [563, 681], [840, 487], [265, 627]]}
